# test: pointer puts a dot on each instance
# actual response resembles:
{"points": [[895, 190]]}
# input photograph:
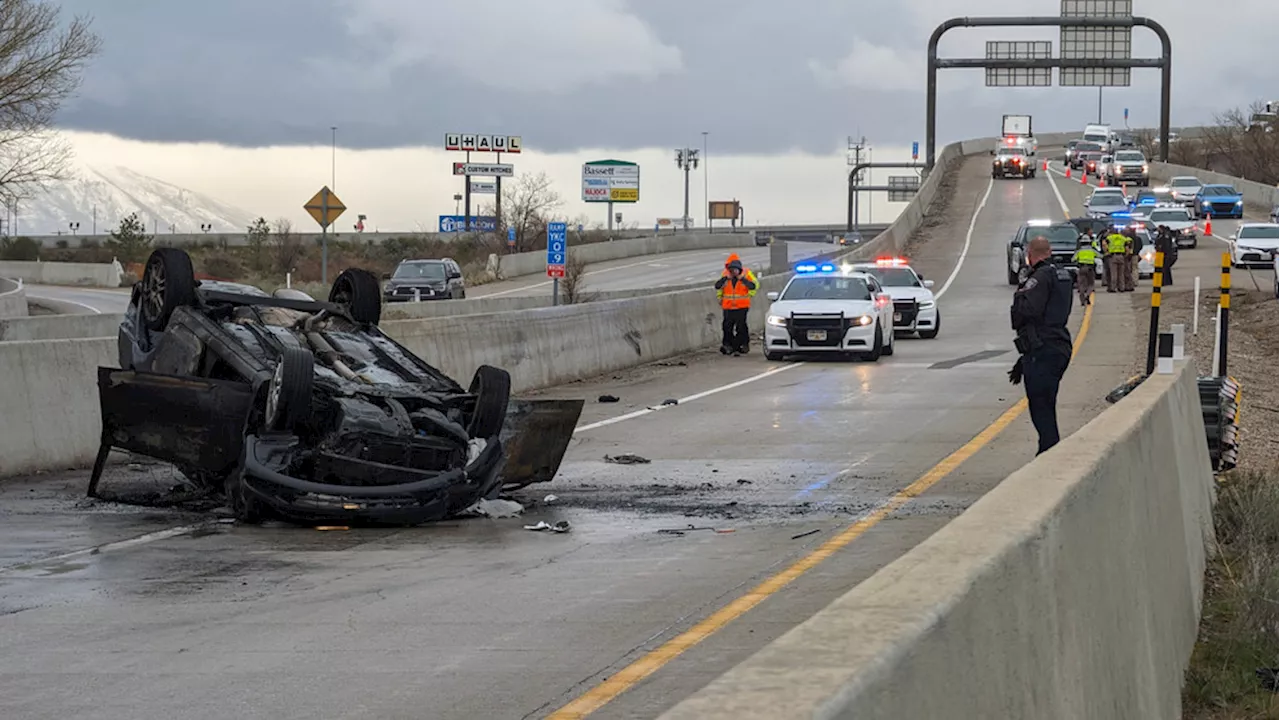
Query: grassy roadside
{"points": [[1238, 627]]}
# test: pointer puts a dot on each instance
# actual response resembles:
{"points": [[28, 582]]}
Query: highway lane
{"points": [[676, 268], [483, 619], [86, 300]]}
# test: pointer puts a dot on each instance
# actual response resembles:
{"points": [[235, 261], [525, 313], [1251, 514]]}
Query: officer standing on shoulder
{"points": [[1084, 259], [1135, 254], [1041, 307], [1115, 261], [1165, 243]]}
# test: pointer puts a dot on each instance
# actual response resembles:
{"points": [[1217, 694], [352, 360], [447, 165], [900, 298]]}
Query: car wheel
{"points": [[492, 388], [168, 281], [772, 356], [1194, 241], [289, 390], [358, 291], [933, 332], [877, 346]]}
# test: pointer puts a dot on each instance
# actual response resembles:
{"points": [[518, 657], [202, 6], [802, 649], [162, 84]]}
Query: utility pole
{"points": [[706, 181], [854, 157], [686, 160]]}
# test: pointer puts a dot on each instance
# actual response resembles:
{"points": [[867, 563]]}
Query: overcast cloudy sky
{"points": [[763, 77]]}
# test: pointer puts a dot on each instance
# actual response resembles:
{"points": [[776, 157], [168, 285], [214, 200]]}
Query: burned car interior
{"points": [[304, 410]]}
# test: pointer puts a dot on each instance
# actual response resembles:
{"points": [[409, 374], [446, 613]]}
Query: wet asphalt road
{"points": [[677, 268], [90, 301], [482, 619]]}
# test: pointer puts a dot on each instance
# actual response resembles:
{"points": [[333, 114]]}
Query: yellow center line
{"points": [[627, 678]]}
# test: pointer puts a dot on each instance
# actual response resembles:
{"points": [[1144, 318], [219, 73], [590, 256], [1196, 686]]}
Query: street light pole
{"points": [[686, 160], [706, 182]]}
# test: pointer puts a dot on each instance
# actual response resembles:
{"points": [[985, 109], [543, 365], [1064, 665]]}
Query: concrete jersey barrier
{"points": [[52, 417], [13, 299], [1071, 590], [59, 273]]}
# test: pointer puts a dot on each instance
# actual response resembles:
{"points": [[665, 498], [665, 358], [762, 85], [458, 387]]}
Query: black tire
{"points": [[358, 291], [289, 391], [1194, 241], [168, 282], [492, 388], [877, 346], [933, 332], [772, 356]]}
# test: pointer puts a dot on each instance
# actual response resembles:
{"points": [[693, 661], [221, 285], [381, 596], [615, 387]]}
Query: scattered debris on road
{"points": [[815, 531], [494, 509], [327, 528], [543, 526], [693, 528], [626, 459], [672, 363], [743, 481], [550, 499], [670, 401], [607, 399]]}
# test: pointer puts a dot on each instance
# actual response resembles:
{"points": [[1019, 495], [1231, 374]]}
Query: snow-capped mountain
{"points": [[111, 193]]}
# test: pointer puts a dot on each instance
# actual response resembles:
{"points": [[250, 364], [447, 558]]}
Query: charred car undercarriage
{"points": [[305, 411]]}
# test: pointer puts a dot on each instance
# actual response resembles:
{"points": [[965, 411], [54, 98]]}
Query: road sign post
{"points": [[557, 252], [511, 238], [325, 208]]}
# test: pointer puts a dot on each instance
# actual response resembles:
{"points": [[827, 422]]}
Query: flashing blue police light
{"points": [[828, 268], [806, 268]]}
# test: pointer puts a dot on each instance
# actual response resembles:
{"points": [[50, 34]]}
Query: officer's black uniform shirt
{"points": [[1043, 301]]}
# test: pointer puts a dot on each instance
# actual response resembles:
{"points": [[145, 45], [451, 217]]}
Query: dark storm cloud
{"points": [[761, 76]]}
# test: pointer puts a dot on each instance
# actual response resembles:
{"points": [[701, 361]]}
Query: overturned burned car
{"points": [[304, 410]]}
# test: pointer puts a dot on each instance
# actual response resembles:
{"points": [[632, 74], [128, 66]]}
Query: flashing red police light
{"points": [[890, 261]]}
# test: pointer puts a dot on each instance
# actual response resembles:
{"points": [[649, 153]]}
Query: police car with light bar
{"points": [[915, 309], [829, 309]]}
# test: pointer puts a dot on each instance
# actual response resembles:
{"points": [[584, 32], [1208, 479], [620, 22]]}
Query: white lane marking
{"points": [[91, 308], [105, 547], [968, 238], [1065, 210], [684, 400]]}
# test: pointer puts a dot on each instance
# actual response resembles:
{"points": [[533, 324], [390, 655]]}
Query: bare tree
{"points": [[41, 62], [527, 205], [287, 246], [1236, 144], [573, 285]]}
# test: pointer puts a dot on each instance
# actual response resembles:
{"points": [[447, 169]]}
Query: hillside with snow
{"points": [[111, 193]]}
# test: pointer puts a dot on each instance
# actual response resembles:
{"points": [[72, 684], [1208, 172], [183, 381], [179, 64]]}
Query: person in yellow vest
{"points": [[1115, 245], [735, 288], [1084, 258]]}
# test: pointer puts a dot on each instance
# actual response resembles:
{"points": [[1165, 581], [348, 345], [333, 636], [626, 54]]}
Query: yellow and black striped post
{"points": [[1153, 332], [1224, 310]]}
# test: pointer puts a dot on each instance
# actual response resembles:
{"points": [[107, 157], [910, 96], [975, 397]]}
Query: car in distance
{"points": [[1254, 244], [1082, 147], [1071, 149], [1100, 168], [829, 310], [1219, 201], [305, 411], [1089, 162], [1185, 188], [1062, 236], [1104, 201], [915, 309], [1012, 161], [1176, 218], [425, 280], [1129, 166]]}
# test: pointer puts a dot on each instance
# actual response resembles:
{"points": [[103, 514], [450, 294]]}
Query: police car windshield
{"points": [[1259, 232], [1158, 216], [827, 287], [893, 276], [420, 271], [1107, 200], [1059, 236]]}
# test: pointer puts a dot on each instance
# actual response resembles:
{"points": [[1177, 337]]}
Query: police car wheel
{"points": [[932, 332], [877, 347], [772, 356]]}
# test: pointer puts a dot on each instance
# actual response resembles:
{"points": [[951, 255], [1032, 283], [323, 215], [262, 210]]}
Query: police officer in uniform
{"points": [[1041, 307]]}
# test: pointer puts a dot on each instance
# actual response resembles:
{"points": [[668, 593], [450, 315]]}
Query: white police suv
{"points": [[829, 309], [915, 309]]}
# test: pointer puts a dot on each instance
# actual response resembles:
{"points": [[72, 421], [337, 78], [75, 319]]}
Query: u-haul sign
{"points": [[471, 142]]}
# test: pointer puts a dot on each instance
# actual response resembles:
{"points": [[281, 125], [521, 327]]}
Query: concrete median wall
{"points": [[13, 299], [539, 346], [1071, 590], [530, 263], [59, 273], [59, 327]]}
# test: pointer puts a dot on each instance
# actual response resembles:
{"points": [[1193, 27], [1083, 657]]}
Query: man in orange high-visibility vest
{"points": [[735, 288]]}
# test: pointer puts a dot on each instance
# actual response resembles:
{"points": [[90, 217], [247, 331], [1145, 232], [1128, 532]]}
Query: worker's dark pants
{"points": [[1042, 372], [1166, 277], [734, 327]]}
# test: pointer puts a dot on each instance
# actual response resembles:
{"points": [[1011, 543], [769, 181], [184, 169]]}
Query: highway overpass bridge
{"points": [[881, 515]]}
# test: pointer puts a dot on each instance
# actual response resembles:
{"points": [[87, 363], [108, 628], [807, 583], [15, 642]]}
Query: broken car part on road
{"points": [[306, 411]]}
